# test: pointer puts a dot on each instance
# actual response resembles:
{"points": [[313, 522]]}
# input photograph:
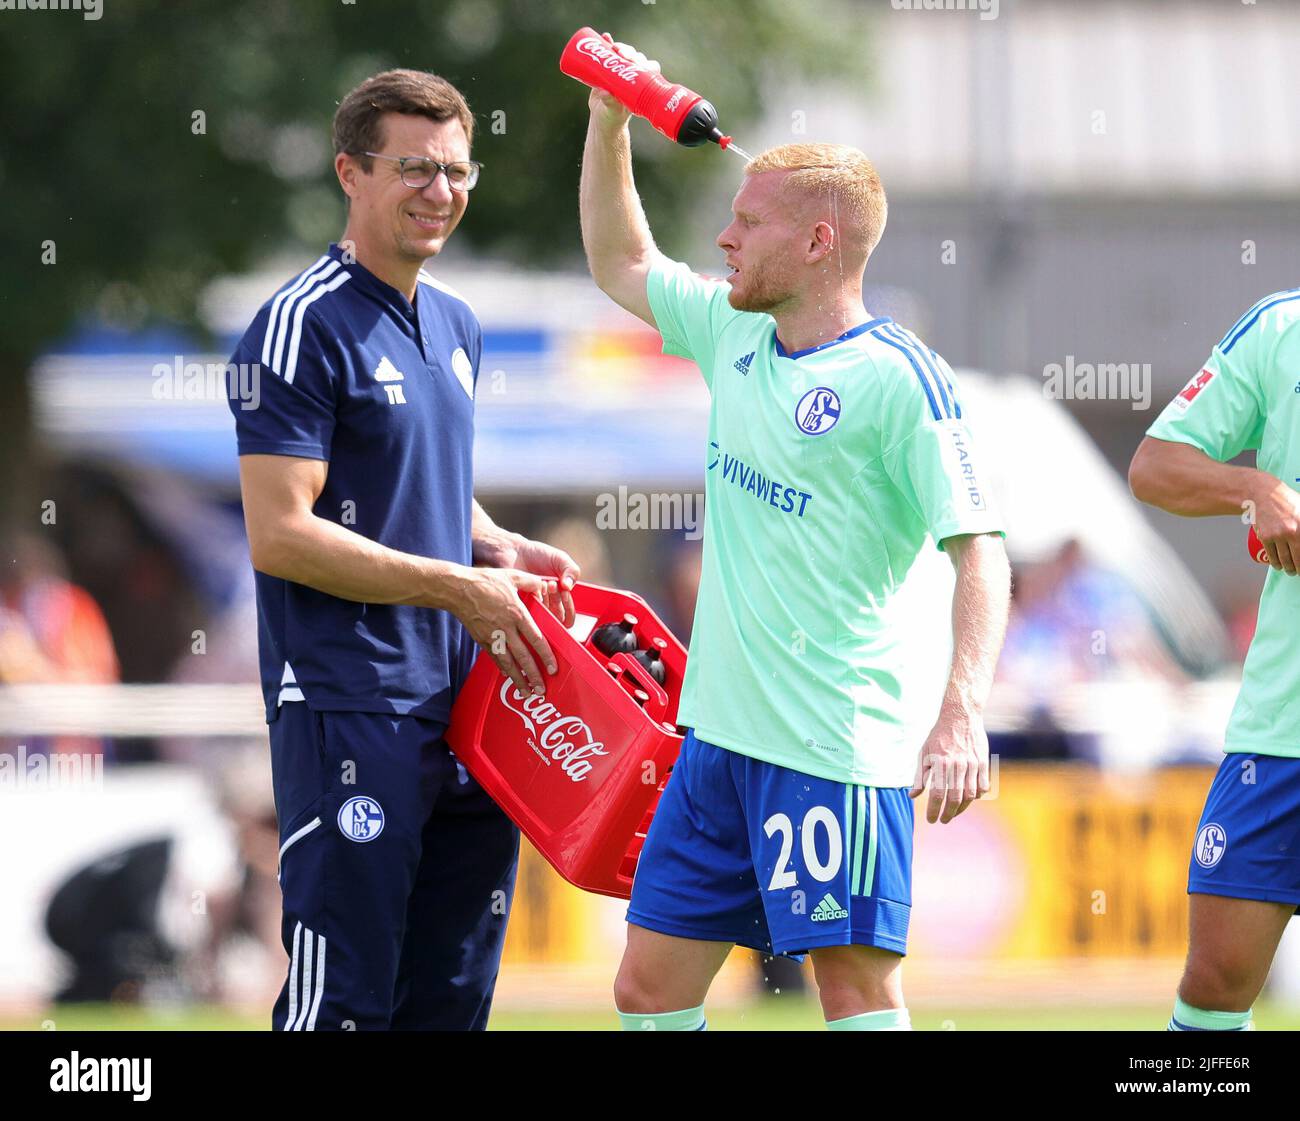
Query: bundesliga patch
{"points": [[1193, 387]]}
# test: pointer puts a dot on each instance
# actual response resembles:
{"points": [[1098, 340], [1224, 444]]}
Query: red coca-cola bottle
{"points": [[679, 113]]}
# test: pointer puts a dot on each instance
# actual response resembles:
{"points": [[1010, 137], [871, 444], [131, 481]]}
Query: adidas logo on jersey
{"points": [[388, 373], [742, 364], [828, 909]]}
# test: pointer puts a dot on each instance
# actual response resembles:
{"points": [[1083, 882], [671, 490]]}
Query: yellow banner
{"points": [[1065, 862]]}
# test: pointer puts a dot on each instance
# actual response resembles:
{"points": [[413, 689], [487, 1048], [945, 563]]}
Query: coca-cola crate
{"points": [[580, 768]]}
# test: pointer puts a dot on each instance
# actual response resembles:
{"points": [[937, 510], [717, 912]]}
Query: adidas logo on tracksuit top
{"points": [[742, 364]]}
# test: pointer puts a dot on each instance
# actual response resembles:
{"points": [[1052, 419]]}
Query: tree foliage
{"points": [[166, 143], [147, 151]]}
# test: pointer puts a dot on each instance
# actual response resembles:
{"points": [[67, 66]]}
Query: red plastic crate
{"points": [[580, 768]]}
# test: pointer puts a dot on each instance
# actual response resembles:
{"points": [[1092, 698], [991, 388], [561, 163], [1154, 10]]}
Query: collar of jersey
{"points": [[851, 333], [368, 280]]}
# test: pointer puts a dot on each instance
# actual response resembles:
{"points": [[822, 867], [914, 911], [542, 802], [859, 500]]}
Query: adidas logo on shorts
{"points": [[828, 909]]}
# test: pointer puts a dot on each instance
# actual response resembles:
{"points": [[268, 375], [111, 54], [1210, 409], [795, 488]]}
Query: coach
{"points": [[377, 573]]}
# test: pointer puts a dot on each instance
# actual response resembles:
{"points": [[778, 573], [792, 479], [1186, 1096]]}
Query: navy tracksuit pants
{"points": [[397, 873]]}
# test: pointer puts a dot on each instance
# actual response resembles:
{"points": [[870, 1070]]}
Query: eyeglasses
{"points": [[418, 172]]}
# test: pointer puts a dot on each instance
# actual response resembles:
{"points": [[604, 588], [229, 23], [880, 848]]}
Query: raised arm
{"points": [[615, 234], [1181, 479]]}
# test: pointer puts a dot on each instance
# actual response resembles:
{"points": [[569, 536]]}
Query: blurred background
{"points": [[1083, 199]]}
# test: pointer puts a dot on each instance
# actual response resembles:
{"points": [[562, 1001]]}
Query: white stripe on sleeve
{"points": [[291, 290], [291, 362]]}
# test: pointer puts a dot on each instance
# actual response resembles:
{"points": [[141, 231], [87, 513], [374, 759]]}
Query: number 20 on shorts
{"points": [[783, 876]]}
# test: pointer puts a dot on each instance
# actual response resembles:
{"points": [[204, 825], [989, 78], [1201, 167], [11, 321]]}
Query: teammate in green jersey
{"points": [[1244, 880], [819, 691]]}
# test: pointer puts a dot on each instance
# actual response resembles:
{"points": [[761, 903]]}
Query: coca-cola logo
{"points": [[599, 50], [566, 740]]}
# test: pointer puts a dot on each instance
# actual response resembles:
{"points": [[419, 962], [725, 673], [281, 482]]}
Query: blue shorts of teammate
{"points": [[1248, 841], [397, 872], [744, 851]]}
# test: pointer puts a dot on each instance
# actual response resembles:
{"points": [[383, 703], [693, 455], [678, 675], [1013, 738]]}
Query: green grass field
{"points": [[773, 1015]]}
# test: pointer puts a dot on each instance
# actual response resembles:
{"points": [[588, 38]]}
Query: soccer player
{"points": [[355, 465], [1244, 878], [837, 456]]}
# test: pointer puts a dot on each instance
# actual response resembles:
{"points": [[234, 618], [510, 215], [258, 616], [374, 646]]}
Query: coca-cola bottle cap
{"points": [[617, 637]]}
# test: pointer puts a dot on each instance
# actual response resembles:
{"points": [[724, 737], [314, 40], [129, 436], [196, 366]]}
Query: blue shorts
{"points": [[745, 851], [1248, 841]]}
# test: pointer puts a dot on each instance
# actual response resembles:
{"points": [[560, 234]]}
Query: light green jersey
{"points": [[822, 637], [1248, 396]]}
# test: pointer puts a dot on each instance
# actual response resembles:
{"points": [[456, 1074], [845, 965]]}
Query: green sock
{"points": [[689, 1019], [1187, 1018], [891, 1019]]}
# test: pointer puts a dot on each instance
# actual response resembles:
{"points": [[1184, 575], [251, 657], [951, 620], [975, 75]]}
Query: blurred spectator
{"points": [[1072, 622], [142, 544], [51, 631], [141, 887], [242, 959]]}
